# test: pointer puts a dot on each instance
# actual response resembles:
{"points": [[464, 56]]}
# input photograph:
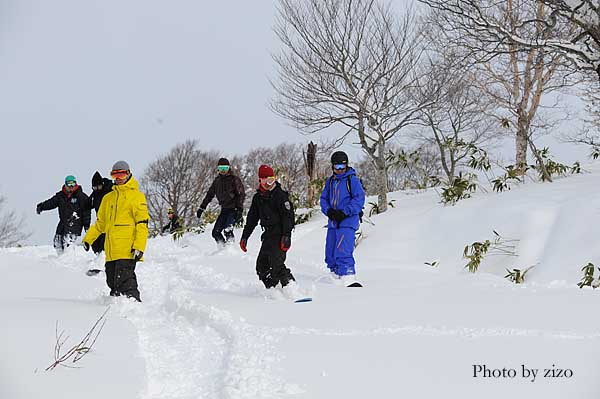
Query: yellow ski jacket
{"points": [[123, 216]]}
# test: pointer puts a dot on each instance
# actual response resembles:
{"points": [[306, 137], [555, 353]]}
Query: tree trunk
{"points": [[521, 141], [381, 178], [310, 162]]}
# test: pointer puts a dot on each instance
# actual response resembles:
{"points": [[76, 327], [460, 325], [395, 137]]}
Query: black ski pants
{"points": [[270, 264], [121, 279]]}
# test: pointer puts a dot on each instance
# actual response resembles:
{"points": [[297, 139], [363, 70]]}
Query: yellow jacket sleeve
{"points": [[140, 215], [97, 228]]}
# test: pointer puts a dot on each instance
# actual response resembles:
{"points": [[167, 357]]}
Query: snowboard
{"points": [[93, 272], [302, 300], [355, 285]]}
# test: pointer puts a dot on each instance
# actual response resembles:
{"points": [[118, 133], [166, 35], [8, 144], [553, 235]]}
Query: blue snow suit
{"points": [[339, 245]]}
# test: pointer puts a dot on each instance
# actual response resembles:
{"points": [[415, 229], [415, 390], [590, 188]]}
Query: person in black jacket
{"points": [[73, 212], [174, 222], [230, 193], [273, 208], [100, 187]]}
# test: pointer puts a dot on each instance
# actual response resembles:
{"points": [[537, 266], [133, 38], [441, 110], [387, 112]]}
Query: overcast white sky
{"points": [[86, 83]]}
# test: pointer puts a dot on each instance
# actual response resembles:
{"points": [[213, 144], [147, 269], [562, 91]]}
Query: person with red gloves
{"points": [[271, 206]]}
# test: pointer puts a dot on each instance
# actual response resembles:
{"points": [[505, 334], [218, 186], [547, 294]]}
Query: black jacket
{"points": [[275, 212], [73, 211], [96, 196], [229, 190], [173, 225]]}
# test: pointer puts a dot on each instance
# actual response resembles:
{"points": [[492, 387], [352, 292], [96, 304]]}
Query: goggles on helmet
{"points": [[340, 166], [71, 183], [223, 168], [119, 174]]}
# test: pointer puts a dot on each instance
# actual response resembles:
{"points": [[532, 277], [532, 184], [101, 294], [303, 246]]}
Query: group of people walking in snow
{"points": [[121, 227]]}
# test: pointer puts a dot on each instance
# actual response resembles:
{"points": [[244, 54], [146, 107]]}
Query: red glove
{"points": [[243, 245], [285, 243]]}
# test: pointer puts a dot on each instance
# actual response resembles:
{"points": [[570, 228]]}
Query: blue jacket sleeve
{"points": [[324, 199], [357, 203]]}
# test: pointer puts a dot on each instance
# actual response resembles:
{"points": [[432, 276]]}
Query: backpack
{"points": [[349, 187]]}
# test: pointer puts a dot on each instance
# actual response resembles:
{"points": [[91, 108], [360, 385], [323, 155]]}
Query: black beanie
{"points": [[223, 161], [97, 179]]}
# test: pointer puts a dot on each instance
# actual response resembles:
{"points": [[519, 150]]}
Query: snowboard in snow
{"points": [[93, 272], [355, 285], [301, 300]]}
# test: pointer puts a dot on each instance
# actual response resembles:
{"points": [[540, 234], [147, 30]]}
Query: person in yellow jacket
{"points": [[123, 217]]}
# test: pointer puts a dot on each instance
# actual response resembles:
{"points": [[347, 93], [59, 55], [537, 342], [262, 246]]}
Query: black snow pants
{"points": [[121, 279], [270, 264]]}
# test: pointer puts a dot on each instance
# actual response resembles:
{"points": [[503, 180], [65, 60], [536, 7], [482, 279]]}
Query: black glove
{"points": [[340, 215], [38, 209], [199, 213], [86, 246], [336, 215], [286, 243], [239, 214], [331, 213], [137, 254]]}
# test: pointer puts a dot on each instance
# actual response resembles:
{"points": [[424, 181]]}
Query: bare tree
{"points": [[178, 180], [12, 227], [459, 121], [287, 162], [515, 77], [410, 168], [590, 133], [348, 63], [579, 44]]}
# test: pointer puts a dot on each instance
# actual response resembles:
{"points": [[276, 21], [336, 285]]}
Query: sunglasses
{"points": [[119, 174], [340, 166], [268, 180], [223, 168], [70, 183]]}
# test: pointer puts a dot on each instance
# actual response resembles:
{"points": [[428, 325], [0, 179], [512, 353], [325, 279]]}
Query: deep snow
{"points": [[207, 328]]}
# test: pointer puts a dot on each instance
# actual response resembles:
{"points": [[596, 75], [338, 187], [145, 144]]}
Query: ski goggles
{"points": [[340, 166], [223, 168], [119, 174], [97, 188], [267, 180], [71, 183]]}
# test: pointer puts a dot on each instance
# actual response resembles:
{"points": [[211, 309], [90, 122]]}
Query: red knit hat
{"points": [[265, 171]]}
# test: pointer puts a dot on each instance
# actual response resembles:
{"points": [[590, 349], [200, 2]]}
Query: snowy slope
{"points": [[207, 328]]}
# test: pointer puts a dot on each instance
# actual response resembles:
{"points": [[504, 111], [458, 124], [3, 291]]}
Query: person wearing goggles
{"points": [[73, 213], [123, 217], [342, 201], [271, 206], [100, 187], [174, 222], [230, 193]]}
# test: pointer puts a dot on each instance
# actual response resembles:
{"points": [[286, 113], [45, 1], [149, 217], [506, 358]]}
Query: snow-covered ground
{"points": [[207, 328]]}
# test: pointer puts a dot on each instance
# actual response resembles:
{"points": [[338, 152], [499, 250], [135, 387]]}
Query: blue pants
{"points": [[339, 248]]}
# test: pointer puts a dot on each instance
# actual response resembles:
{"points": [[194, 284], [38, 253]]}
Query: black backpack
{"points": [[349, 187]]}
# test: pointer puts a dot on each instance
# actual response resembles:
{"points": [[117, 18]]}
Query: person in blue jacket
{"points": [[342, 200]]}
